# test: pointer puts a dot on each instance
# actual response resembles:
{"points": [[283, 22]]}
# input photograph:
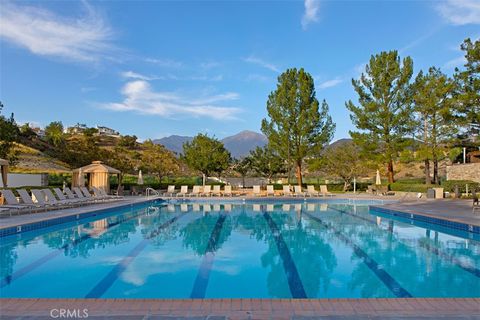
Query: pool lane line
{"points": [[381, 274], [442, 255], [294, 282], [203, 276], [103, 285], [37, 263]]}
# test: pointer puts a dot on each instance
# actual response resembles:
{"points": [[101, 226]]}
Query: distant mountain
{"points": [[239, 145], [339, 143], [174, 143]]}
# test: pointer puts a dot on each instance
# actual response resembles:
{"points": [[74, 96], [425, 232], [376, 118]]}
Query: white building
{"points": [[105, 131]]}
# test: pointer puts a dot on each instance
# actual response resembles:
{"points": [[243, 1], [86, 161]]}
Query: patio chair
{"points": [[51, 199], [312, 192], [299, 191], [324, 191], [195, 191], [41, 199], [216, 191], [62, 197], [109, 196], [170, 191], [257, 191], [286, 191], [183, 191], [12, 203], [227, 191], [207, 191], [270, 190]]}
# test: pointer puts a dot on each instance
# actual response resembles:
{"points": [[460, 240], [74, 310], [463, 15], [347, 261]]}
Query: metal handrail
{"points": [[150, 191]]}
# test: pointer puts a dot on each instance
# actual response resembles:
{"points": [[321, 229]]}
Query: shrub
{"points": [[450, 185], [410, 187]]}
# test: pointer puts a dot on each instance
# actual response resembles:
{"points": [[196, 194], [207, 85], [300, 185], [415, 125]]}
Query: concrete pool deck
{"points": [[281, 309], [456, 210]]}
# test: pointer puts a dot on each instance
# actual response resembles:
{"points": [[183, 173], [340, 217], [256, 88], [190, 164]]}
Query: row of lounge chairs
{"points": [[46, 199], [207, 191]]}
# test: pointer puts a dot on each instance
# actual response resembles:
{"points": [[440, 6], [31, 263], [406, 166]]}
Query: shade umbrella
{"points": [[378, 181], [4, 171], [140, 178]]}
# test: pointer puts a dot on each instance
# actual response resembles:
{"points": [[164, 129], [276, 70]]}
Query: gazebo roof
{"points": [[3, 162], [97, 166]]}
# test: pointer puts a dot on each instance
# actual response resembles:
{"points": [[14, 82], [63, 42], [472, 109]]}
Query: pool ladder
{"points": [[150, 191]]}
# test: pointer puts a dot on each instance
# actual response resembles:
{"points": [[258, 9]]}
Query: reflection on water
{"points": [[426, 262]]}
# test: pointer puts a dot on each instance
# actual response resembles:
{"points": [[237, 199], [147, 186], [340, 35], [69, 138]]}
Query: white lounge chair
{"points": [[312, 192], [227, 191], [257, 191], [299, 192], [207, 191], [195, 191], [324, 191], [27, 199], [183, 191], [12, 203], [51, 199], [270, 190], [41, 199], [286, 191], [170, 191], [216, 190]]}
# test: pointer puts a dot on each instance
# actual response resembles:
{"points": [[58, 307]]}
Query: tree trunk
{"points": [[204, 178], [243, 181], [299, 173], [390, 174], [435, 169], [427, 172], [346, 185]]}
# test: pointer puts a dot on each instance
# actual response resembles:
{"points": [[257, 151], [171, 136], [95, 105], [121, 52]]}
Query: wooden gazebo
{"points": [[4, 172], [97, 175]]}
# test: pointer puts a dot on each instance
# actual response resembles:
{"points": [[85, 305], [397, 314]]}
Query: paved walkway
{"points": [[447, 209], [21, 219], [281, 309]]}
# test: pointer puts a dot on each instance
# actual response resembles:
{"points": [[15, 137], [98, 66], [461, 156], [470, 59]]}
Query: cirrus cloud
{"points": [[460, 12], [140, 97], [42, 32]]}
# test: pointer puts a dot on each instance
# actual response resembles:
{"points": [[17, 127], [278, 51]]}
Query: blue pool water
{"points": [[219, 249]]}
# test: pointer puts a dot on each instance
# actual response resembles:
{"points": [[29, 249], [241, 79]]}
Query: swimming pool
{"points": [[235, 249]]}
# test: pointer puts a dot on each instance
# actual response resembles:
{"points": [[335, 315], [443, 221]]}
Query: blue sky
{"points": [[156, 68]]}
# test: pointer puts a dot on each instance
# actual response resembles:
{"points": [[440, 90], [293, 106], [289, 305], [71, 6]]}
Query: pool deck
{"points": [[27, 218], [457, 210], [281, 309]]}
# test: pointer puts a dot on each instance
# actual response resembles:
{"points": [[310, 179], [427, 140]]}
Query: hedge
{"points": [[449, 185]]}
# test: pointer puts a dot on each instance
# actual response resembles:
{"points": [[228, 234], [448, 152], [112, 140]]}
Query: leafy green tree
{"points": [[27, 132], [468, 80], [8, 135], [128, 141], [298, 127], [206, 154], [266, 162], [384, 113], [157, 160], [54, 133], [344, 161], [121, 159], [90, 132], [437, 122]]}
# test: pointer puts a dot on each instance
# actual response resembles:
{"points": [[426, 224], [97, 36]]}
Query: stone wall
{"points": [[468, 171]]}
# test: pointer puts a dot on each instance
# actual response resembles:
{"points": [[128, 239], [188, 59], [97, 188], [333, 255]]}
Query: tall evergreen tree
{"points": [[468, 80], [9, 133], [384, 113], [298, 127], [437, 120]]}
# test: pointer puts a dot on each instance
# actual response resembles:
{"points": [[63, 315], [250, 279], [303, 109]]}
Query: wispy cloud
{"points": [[167, 63], [140, 97], [460, 12], [135, 75], [453, 63], [210, 64], [330, 83], [258, 77], [255, 60], [312, 10], [42, 32]]}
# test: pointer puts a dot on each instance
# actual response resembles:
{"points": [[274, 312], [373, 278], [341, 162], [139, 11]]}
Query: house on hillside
{"points": [[105, 131], [38, 131], [76, 129]]}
